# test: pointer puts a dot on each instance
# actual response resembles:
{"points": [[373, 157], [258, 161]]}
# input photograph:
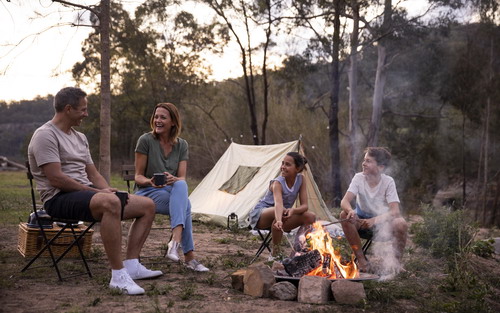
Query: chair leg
{"points": [[366, 246], [77, 242], [48, 244], [265, 244], [46, 247]]}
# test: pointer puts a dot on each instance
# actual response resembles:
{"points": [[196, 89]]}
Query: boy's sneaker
{"points": [[125, 284], [196, 266], [172, 253], [139, 271]]}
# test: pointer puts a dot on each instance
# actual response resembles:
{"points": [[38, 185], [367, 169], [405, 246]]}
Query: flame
{"points": [[331, 267]]}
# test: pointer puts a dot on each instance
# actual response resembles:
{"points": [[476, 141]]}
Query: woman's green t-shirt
{"points": [[158, 162]]}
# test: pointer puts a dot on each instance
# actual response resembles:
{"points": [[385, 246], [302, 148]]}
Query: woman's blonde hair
{"points": [[175, 131]]}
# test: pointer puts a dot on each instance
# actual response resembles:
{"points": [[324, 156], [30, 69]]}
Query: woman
{"points": [[275, 209], [162, 151]]}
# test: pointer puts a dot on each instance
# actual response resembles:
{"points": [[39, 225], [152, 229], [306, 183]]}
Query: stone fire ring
{"points": [[362, 277]]}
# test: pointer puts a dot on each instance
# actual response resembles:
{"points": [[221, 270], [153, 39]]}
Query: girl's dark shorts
{"points": [[71, 205]]}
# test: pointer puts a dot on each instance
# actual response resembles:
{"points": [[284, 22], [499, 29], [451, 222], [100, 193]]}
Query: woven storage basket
{"points": [[30, 241]]}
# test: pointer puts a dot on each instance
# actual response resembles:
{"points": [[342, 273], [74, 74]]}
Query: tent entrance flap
{"points": [[239, 180]]}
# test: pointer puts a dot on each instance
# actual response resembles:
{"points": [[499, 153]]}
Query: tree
{"points": [[102, 12], [243, 19], [157, 57], [380, 76], [329, 14]]}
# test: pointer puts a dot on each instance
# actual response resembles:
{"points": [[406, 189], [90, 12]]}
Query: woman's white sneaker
{"points": [[196, 266], [172, 248]]}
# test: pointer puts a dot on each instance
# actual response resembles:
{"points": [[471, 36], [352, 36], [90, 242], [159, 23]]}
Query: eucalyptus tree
{"points": [[325, 20], [156, 56], [100, 17], [252, 25]]}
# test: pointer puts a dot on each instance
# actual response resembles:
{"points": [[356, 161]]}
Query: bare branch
{"points": [[209, 114], [67, 3]]}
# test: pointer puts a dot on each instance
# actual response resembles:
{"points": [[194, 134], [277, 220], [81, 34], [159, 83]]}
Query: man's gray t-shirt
{"points": [[49, 144], [158, 162]]}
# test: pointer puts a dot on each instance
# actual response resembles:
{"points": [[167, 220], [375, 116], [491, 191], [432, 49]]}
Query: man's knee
{"points": [[106, 203], [147, 204]]}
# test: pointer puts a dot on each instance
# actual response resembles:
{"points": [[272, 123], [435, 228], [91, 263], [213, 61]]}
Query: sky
{"points": [[39, 46]]}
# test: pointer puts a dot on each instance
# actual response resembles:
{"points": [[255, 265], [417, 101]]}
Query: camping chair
{"points": [[128, 174], [367, 235], [266, 240], [48, 244]]}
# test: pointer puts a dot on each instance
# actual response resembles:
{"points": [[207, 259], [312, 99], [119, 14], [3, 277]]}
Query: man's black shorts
{"points": [[71, 205]]}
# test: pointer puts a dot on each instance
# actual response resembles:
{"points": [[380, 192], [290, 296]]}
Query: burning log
{"points": [[302, 264]]}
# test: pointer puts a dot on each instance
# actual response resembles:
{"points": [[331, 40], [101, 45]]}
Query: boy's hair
{"points": [[175, 131], [68, 95], [380, 154], [299, 160]]}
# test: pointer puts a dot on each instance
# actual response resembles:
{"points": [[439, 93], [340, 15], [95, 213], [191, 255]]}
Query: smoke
{"points": [[383, 255]]}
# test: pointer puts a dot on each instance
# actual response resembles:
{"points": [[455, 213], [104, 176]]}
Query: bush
{"points": [[483, 248], [443, 232]]}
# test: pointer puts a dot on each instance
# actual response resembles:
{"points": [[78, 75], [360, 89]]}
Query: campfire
{"points": [[319, 257]]}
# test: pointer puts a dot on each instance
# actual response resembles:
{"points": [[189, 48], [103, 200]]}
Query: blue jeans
{"points": [[173, 200]]}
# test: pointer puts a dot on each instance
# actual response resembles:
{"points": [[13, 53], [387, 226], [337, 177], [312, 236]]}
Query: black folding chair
{"points": [[266, 240], [367, 235], [48, 244]]}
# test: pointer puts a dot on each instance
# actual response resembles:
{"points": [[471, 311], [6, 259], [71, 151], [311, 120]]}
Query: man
{"points": [[377, 206], [71, 187]]}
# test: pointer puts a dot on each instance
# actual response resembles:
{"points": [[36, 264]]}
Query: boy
{"points": [[377, 206]]}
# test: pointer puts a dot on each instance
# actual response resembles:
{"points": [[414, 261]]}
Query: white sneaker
{"points": [[271, 258], [139, 271], [196, 266], [172, 253], [125, 284]]}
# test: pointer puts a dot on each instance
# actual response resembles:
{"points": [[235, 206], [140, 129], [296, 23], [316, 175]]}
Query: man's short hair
{"points": [[68, 95], [380, 154]]}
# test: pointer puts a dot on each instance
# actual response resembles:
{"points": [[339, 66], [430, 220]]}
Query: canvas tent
{"points": [[241, 177]]}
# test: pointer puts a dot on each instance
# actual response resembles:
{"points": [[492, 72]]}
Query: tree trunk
{"points": [[105, 117], [380, 77], [354, 133], [264, 74], [485, 193], [333, 120]]}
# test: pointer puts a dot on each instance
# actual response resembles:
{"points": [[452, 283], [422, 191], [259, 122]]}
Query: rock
{"points": [[258, 279], [237, 279], [283, 290], [277, 266], [314, 289], [348, 292]]}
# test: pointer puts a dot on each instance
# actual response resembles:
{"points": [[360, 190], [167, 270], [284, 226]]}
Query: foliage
{"points": [[439, 78], [463, 282], [483, 248], [443, 232]]}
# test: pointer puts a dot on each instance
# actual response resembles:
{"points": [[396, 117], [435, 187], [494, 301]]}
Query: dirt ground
{"points": [[178, 290]]}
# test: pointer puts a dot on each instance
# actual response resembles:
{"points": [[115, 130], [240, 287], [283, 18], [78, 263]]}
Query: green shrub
{"points": [[443, 232], [483, 248]]}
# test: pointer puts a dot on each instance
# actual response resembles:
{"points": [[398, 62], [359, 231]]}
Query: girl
{"points": [[275, 209]]}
